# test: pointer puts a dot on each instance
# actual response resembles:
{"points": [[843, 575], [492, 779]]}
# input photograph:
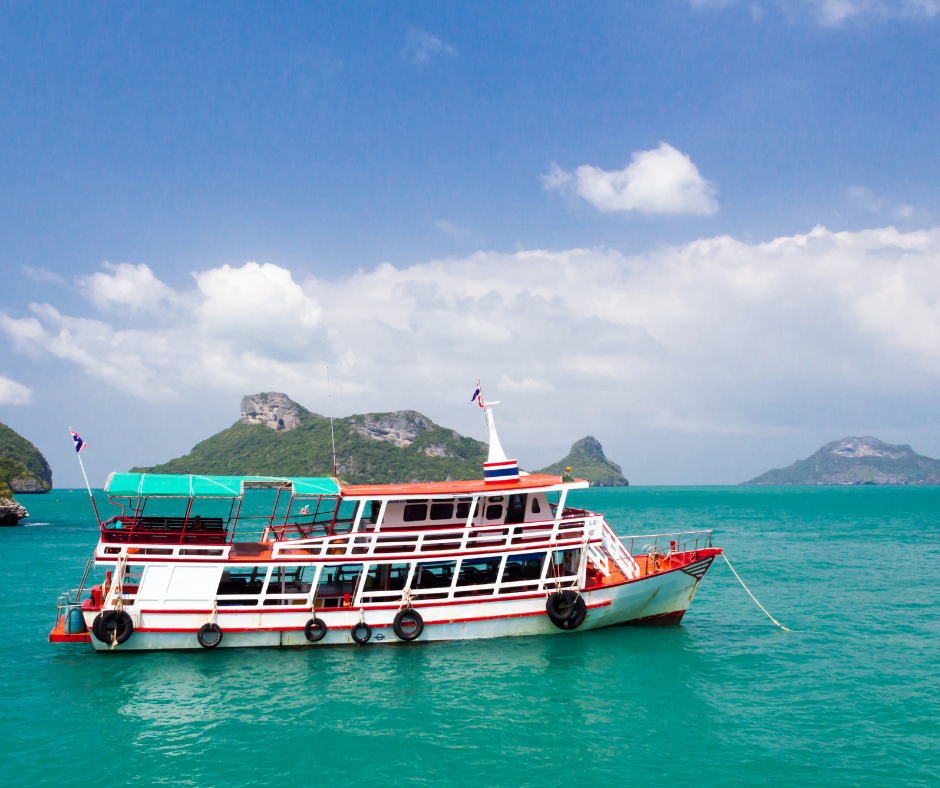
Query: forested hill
{"points": [[587, 461], [23, 469], [275, 435], [857, 461]]}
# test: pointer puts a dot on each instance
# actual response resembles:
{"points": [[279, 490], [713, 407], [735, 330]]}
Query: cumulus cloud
{"points": [[128, 287], [421, 47], [13, 393], [714, 337], [662, 180]]}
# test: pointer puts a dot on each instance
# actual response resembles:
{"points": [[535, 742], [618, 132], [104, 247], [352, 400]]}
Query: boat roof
{"points": [[472, 487], [181, 485]]}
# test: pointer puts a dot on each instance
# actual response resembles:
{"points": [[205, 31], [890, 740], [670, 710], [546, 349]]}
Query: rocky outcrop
{"points": [[587, 461], [11, 512], [400, 428], [857, 461], [272, 409]]}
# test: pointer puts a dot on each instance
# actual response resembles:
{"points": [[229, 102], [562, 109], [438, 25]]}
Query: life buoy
{"points": [[209, 642], [315, 630], [566, 609], [111, 622], [361, 639], [408, 625]]}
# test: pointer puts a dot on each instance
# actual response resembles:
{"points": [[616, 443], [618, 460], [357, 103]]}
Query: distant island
{"points": [[276, 435], [587, 461], [857, 461], [23, 469]]}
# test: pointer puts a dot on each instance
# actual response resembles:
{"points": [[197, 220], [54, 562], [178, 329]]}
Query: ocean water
{"points": [[851, 697]]}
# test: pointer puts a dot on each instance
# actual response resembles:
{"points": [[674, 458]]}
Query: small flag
{"points": [[79, 443], [477, 397]]}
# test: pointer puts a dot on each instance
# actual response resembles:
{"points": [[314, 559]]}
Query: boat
{"points": [[200, 562]]}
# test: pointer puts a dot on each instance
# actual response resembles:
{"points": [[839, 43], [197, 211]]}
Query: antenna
{"points": [[329, 396]]}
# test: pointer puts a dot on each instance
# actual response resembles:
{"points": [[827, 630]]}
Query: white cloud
{"points": [[13, 393], [421, 46], [42, 276], [833, 13], [662, 180], [904, 211], [451, 229], [132, 287]]}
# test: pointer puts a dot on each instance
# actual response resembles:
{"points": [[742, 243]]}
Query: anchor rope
{"points": [[752, 596]]}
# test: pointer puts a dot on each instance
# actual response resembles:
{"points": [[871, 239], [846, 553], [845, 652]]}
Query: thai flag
{"points": [[477, 396], [79, 443]]}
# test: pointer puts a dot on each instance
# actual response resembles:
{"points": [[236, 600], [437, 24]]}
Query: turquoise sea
{"points": [[851, 697]]}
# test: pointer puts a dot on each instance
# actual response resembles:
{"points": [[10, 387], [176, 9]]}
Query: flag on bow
{"points": [[79, 443]]}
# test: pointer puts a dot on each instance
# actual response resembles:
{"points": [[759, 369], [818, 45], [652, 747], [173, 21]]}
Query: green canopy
{"points": [[171, 485]]}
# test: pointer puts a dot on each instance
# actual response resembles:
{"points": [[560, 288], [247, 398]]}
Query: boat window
{"points": [[242, 580], [434, 574], [385, 578], [463, 509], [494, 511], [442, 511], [535, 506], [478, 571], [415, 512], [291, 579], [515, 508], [371, 515], [565, 562], [522, 567], [338, 585]]}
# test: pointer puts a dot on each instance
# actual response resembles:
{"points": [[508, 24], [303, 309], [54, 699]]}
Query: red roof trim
{"points": [[427, 489]]}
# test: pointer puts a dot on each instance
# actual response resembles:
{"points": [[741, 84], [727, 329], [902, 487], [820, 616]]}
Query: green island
{"points": [[276, 435], [857, 461], [587, 461], [23, 469]]}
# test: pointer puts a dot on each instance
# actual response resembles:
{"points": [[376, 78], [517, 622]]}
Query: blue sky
{"points": [[446, 142]]}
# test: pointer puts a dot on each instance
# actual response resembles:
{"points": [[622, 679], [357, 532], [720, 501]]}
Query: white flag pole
{"points": [[87, 485]]}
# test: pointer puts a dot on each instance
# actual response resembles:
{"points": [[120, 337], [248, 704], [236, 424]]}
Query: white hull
{"points": [[659, 598]]}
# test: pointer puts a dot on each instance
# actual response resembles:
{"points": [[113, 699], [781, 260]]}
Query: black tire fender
{"points": [[315, 630], [361, 639], [201, 635], [111, 621], [412, 615], [566, 609]]}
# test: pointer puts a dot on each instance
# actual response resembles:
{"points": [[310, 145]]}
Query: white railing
{"points": [[477, 539]]}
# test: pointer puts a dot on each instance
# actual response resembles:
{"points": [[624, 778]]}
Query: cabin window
{"points": [[433, 574], [374, 508], [242, 581], [384, 582], [442, 511], [291, 579], [494, 511], [515, 508], [478, 571], [338, 585], [463, 509], [535, 506], [565, 562], [520, 568], [415, 512]]}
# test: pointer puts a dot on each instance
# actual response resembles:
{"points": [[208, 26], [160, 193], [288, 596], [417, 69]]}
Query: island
{"points": [[587, 461], [857, 461], [23, 469]]}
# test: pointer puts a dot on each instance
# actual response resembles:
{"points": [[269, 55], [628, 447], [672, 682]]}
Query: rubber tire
{"points": [[356, 627], [102, 627], [566, 609], [315, 630], [400, 632], [200, 635]]}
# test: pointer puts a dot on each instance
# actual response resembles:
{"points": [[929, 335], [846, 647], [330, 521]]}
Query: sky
{"points": [[704, 232]]}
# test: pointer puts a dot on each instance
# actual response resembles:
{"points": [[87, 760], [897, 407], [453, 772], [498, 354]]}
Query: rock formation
{"points": [[22, 467], [400, 428], [10, 511], [272, 409], [587, 461], [857, 461]]}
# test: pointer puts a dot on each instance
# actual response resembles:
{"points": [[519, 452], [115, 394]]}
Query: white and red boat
{"points": [[206, 561]]}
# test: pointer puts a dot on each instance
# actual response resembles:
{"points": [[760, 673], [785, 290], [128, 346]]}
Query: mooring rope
{"points": [[752, 596]]}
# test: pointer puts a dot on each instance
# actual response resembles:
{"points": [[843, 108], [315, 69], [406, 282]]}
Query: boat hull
{"points": [[660, 598]]}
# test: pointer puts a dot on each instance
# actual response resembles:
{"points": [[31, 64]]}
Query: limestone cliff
{"points": [[22, 467], [272, 409], [587, 461]]}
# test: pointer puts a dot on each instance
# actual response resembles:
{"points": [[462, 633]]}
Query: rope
{"points": [[752, 596]]}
